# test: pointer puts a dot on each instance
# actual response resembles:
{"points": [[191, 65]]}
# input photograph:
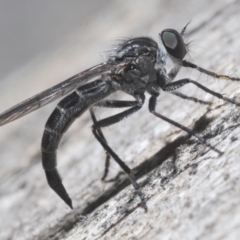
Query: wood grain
{"points": [[192, 192]]}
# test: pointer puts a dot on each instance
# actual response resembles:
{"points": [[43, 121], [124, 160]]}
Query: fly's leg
{"points": [[193, 99], [107, 159], [112, 120], [116, 104], [210, 73], [152, 106], [109, 104], [180, 83]]}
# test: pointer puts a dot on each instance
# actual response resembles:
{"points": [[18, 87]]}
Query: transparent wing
{"points": [[51, 94]]}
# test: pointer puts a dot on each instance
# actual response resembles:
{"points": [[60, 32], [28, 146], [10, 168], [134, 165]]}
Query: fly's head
{"points": [[176, 50], [174, 44], [140, 63]]}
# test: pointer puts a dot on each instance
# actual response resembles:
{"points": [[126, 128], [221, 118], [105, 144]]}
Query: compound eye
{"points": [[174, 44]]}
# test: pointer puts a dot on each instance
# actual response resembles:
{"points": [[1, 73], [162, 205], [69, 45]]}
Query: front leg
{"points": [[210, 73], [172, 86]]}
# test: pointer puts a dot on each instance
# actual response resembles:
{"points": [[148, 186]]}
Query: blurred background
{"points": [[45, 42], [30, 29]]}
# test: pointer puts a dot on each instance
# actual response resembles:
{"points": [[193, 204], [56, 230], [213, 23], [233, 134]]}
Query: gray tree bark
{"points": [[191, 191]]}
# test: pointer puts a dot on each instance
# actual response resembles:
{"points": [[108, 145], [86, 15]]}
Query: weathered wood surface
{"points": [[192, 192]]}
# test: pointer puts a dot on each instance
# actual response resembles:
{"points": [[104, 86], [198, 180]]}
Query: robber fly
{"points": [[137, 66]]}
